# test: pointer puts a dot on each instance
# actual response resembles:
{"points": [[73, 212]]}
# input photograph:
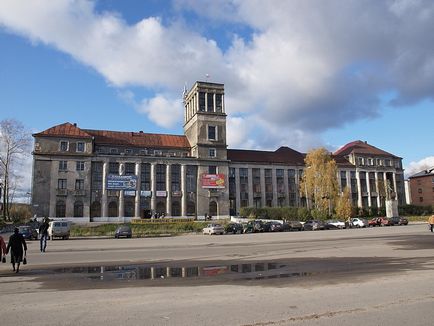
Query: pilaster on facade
{"points": [[184, 190], [168, 190], [368, 188], [274, 184], [394, 185], [121, 192], [286, 185], [250, 185], [377, 186], [359, 189], [153, 187], [138, 172], [262, 175], [104, 198]]}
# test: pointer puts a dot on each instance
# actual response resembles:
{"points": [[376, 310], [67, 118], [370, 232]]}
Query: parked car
{"points": [[213, 228], [334, 224], [399, 220], [376, 221], [123, 231], [28, 232], [273, 226], [292, 225], [59, 229], [313, 225], [356, 222], [234, 228], [254, 226]]}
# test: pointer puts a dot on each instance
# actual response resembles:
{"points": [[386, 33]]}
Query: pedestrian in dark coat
{"points": [[2, 249], [43, 233], [17, 246]]}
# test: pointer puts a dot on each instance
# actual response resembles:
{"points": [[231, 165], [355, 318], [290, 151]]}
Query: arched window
{"points": [[191, 208], [176, 208], [113, 209], [213, 208], [60, 208], [78, 209], [95, 209]]}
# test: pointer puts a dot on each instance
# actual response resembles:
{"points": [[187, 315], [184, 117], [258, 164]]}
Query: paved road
{"points": [[377, 276]]}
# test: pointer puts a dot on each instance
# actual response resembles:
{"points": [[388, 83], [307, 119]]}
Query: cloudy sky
{"points": [[300, 73]]}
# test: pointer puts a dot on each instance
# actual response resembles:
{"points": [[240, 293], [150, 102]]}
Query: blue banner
{"points": [[121, 182]]}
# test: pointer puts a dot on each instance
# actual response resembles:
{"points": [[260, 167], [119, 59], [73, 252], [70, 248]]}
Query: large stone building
{"points": [[101, 175], [422, 188]]}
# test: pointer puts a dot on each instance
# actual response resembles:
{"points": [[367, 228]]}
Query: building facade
{"points": [[101, 175], [421, 187]]}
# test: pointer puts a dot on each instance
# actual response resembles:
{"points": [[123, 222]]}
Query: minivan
{"points": [[59, 229]]}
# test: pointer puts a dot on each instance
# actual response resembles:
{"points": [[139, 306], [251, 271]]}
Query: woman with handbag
{"points": [[2, 250], [16, 244]]}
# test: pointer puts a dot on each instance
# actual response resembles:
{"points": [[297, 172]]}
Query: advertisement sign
{"points": [[129, 193], [161, 193], [146, 193], [213, 181], [121, 182], [177, 193]]}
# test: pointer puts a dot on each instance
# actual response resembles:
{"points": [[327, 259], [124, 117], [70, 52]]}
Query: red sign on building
{"points": [[213, 181]]}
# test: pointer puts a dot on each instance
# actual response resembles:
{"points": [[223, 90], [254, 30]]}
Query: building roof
{"points": [[424, 173], [119, 138], [361, 147], [64, 130], [283, 155]]}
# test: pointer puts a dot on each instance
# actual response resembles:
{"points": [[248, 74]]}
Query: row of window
{"points": [[377, 162], [79, 165], [79, 146], [63, 184]]}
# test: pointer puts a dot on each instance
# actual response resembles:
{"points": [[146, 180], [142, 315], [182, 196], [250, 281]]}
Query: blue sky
{"points": [[305, 74]]}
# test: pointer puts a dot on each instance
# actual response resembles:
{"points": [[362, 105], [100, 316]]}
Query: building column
{"points": [[368, 186], [250, 186], [184, 190], [394, 185], [121, 192], [138, 188], [262, 174], [274, 182], [104, 204], [359, 190], [286, 185], [378, 190], [237, 190], [153, 188], [168, 190]]}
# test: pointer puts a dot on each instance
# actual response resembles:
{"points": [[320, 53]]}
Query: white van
{"points": [[59, 229]]}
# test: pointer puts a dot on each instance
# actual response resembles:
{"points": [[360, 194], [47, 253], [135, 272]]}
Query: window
{"points": [[212, 169], [79, 184], [63, 165], [212, 152], [218, 102], [78, 209], [210, 102], [61, 183], [212, 133], [80, 146], [201, 101], [419, 190], [60, 208], [421, 199], [64, 145], [128, 151], [113, 150], [79, 166], [370, 161], [113, 168]]}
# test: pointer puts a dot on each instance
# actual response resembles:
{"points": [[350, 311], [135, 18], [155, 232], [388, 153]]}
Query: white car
{"points": [[358, 222], [213, 229], [336, 223]]}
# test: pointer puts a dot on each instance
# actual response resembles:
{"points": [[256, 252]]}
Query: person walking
{"points": [[2, 250], [431, 222], [43, 232], [16, 245]]}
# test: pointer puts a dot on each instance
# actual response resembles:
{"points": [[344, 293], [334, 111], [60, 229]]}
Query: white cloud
{"points": [[162, 111], [308, 65], [415, 167]]}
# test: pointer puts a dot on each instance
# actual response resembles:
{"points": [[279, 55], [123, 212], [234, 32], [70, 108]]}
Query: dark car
{"points": [[292, 226], [314, 225], [234, 228], [273, 227], [28, 232], [254, 226], [123, 231], [399, 220]]}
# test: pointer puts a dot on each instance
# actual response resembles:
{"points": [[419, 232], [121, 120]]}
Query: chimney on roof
{"points": [[366, 142], [75, 124], [141, 131]]}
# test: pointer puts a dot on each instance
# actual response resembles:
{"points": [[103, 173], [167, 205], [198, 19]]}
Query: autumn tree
{"points": [[15, 142], [343, 205], [319, 183]]}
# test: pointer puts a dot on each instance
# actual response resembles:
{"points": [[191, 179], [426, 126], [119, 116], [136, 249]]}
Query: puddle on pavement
{"points": [[160, 272]]}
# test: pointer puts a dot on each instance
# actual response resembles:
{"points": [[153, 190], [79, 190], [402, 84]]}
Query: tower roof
{"points": [[361, 147]]}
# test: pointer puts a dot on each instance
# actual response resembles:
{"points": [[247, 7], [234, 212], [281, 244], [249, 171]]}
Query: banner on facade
{"points": [[146, 193], [161, 193], [213, 181], [121, 182], [176, 193], [129, 193]]}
